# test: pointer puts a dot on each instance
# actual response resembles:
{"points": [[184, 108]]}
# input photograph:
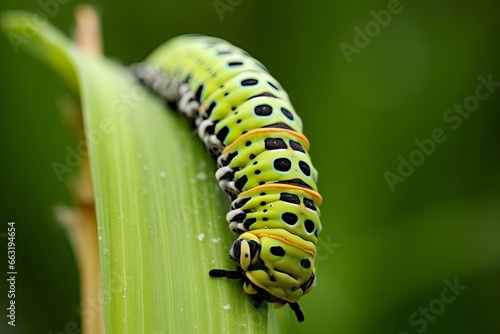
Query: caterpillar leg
{"points": [[174, 92], [205, 132], [257, 303]]}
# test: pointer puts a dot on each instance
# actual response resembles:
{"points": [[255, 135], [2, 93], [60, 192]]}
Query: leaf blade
{"points": [[155, 197]]}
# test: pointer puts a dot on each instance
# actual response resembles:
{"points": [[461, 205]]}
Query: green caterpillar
{"points": [[248, 124]]}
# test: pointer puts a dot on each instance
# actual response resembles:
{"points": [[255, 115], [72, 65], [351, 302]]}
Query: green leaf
{"points": [[160, 212]]}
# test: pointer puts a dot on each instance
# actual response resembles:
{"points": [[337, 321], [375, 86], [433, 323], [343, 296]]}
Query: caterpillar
{"points": [[247, 123]]}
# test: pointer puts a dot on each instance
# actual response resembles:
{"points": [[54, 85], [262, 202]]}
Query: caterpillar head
{"points": [[273, 268]]}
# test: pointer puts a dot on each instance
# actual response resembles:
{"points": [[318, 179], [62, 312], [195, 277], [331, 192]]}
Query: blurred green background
{"points": [[387, 251]]}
